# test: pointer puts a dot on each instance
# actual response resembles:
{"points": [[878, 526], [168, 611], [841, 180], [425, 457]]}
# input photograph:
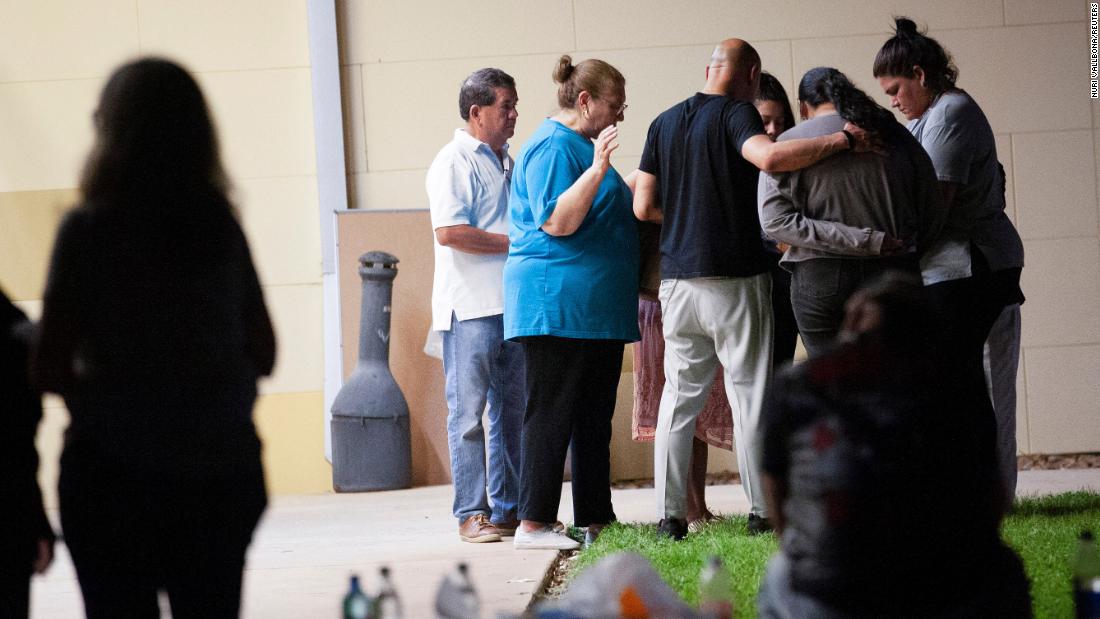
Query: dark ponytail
{"points": [[827, 85], [908, 48]]}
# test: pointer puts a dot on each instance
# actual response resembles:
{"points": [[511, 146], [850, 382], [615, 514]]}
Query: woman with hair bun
{"points": [[973, 272], [571, 284], [853, 216]]}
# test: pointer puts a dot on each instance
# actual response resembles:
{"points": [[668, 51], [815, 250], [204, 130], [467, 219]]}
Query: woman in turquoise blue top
{"points": [[570, 296]]}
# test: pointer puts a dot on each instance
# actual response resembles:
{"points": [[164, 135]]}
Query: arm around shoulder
{"points": [[791, 155]]}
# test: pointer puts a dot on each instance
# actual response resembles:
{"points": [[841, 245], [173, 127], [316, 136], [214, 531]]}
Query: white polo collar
{"points": [[464, 138]]}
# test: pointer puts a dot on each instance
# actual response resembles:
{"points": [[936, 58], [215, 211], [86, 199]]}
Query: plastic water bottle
{"points": [[386, 605], [1086, 578], [356, 603], [715, 590], [456, 598]]}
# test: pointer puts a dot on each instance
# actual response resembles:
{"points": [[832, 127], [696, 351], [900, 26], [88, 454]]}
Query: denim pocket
{"points": [[817, 278]]}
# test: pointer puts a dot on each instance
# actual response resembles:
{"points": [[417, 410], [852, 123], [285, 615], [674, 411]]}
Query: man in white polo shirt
{"points": [[468, 185]]}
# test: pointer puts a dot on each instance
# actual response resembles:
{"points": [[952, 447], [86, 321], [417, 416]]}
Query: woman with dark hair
{"points": [[973, 272], [775, 111], [571, 284], [154, 330], [773, 105], [851, 217]]}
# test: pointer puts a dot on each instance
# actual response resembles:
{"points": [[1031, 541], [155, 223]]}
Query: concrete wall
{"points": [[1025, 62], [251, 58]]}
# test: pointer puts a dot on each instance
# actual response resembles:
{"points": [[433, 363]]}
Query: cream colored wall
{"points": [[251, 58], [1025, 62]]}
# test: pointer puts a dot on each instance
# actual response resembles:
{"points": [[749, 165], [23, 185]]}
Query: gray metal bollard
{"points": [[370, 418]]}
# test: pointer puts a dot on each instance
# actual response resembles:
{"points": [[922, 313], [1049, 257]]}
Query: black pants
{"points": [[130, 535], [15, 586], [965, 311], [820, 287], [571, 386], [786, 328]]}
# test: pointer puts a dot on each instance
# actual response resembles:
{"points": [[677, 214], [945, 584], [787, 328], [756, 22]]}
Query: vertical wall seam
{"points": [[137, 25], [794, 79]]}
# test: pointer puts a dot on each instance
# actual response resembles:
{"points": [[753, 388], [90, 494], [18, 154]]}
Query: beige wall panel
{"points": [[420, 30], [396, 190], [355, 134], [1063, 292], [291, 427], [603, 24], [65, 39], [214, 35], [1030, 55], [49, 441], [1046, 12], [1056, 184], [721, 460], [407, 235], [28, 224], [47, 132], [33, 309], [1004, 154], [297, 316], [280, 218], [1064, 398], [1096, 154], [265, 121], [853, 56], [629, 459], [409, 120]]}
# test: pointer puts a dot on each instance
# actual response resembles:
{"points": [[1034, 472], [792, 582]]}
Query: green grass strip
{"points": [[1043, 531]]}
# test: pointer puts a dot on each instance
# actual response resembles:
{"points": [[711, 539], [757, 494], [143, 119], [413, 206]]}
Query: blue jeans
{"points": [[482, 367]]}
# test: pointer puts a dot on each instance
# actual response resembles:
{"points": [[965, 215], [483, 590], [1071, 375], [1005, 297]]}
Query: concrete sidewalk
{"points": [[306, 547]]}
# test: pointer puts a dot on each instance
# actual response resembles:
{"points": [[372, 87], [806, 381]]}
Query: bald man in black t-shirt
{"points": [[698, 176]]}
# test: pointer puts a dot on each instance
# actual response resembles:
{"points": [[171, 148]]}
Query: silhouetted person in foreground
{"points": [[864, 446], [26, 538], [154, 330]]}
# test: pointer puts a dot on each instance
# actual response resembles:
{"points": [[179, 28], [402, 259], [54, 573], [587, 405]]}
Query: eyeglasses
{"points": [[619, 110]]}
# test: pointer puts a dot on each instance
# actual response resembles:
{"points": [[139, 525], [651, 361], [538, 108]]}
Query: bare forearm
{"points": [[797, 154], [646, 204], [574, 203], [472, 240]]}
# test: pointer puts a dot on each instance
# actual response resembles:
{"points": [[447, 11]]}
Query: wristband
{"points": [[851, 139]]}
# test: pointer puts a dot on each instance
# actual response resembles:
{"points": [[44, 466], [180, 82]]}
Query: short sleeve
{"points": [[648, 164], [743, 122], [950, 145], [450, 194], [548, 174]]}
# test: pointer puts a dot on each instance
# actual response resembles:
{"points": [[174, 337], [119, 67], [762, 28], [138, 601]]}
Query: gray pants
{"points": [[708, 321], [1002, 360]]}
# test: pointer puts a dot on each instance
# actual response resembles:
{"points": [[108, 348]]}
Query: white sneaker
{"points": [[546, 537]]}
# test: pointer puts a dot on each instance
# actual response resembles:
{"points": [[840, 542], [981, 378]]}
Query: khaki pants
{"points": [[709, 321]]}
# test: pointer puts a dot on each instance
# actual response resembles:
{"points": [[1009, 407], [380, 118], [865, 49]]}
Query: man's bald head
{"points": [[734, 68], [735, 54]]}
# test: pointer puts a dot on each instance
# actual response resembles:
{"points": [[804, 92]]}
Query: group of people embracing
{"points": [[884, 246]]}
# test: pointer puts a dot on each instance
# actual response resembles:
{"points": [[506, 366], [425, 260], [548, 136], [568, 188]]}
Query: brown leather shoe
{"points": [[477, 529], [507, 528]]}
